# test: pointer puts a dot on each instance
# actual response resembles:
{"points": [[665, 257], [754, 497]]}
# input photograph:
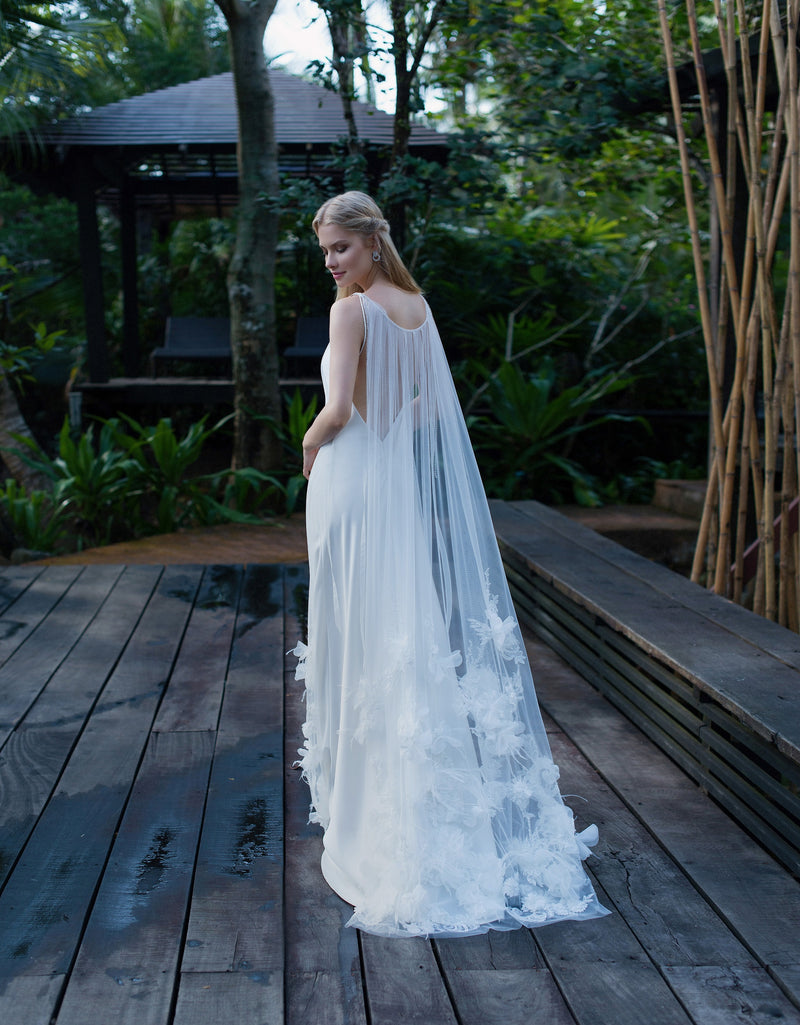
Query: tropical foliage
{"points": [[129, 479], [551, 243]]}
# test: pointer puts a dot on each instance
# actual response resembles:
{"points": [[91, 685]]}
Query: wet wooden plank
{"points": [[23, 615], [49, 633], [36, 752], [403, 982], [198, 681], [45, 902], [323, 971], [126, 967], [237, 901]]}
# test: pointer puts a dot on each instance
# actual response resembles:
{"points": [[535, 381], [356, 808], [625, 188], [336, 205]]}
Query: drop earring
{"points": [[376, 256]]}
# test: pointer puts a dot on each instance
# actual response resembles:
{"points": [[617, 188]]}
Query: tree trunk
{"points": [[408, 54], [404, 79], [251, 275], [343, 41]]}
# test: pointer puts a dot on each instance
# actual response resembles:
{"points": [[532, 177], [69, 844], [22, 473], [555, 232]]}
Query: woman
{"points": [[425, 752]]}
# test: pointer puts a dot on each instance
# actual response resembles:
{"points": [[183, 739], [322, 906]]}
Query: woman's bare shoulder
{"points": [[347, 319]]}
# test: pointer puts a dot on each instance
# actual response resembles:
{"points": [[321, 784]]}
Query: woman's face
{"points": [[348, 255]]}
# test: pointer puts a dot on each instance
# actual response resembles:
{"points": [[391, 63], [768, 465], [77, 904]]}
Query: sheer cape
{"points": [[468, 830]]}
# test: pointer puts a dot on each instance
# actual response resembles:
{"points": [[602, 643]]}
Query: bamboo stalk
{"points": [[721, 573], [754, 107], [767, 340], [697, 255], [793, 289], [748, 463], [716, 169]]}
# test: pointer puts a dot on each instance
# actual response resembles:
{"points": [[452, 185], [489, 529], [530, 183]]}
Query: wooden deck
{"points": [[156, 865]]}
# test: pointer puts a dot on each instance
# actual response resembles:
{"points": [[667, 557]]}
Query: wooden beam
{"points": [[130, 280], [92, 271]]}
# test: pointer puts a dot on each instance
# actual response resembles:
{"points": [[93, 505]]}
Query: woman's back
{"points": [[406, 309]]}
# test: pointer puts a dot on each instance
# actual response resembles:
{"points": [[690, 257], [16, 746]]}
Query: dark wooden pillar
{"points": [[130, 282], [92, 271]]}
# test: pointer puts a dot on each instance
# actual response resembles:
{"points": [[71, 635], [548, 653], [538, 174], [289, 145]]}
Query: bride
{"points": [[425, 752]]}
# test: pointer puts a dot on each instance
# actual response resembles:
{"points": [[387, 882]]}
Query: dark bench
{"points": [[714, 685], [193, 338], [310, 340]]}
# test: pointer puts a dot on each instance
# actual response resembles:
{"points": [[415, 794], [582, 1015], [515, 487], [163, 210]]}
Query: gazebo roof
{"points": [[171, 154], [175, 148], [202, 113]]}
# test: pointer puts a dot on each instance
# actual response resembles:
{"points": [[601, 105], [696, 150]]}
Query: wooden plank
{"points": [[642, 693], [126, 967], [625, 993], [403, 982], [508, 997], [786, 853], [26, 666], [237, 904], [679, 637], [238, 998], [317, 997], [772, 801], [720, 995], [36, 752], [491, 951], [196, 686], [323, 980], [562, 629], [45, 901], [30, 1000], [719, 720], [29, 668], [754, 895], [652, 894], [762, 634], [14, 580], [22, 616], [787, 977]]}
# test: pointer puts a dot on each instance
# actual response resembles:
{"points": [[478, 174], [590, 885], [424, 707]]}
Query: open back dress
{"points": [[425, 752]]}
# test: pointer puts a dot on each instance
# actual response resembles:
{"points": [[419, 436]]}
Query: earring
{"points": [[376, 256]]}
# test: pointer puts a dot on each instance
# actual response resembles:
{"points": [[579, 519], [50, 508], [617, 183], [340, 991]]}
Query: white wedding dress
{"points": [[425, 753]]}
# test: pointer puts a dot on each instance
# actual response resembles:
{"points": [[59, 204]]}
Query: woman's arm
{"points": [[346, 337]]}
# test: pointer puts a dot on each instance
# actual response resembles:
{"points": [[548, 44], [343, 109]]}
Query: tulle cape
{"points": [[470, 830]]}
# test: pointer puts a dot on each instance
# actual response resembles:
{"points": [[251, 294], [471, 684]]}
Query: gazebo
{"points": [[171, 153]]}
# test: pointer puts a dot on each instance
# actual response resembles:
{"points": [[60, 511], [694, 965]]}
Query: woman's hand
{"points": [[309, 455], [347, 335]]}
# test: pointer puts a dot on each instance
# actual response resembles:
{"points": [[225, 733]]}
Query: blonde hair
{"points": [[358, 212]]}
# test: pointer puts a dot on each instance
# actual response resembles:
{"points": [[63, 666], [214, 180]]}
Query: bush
{"points": [[130, 480]]}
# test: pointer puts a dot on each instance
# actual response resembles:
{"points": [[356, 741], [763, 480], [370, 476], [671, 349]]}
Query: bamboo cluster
{"points": [[747, 545]]}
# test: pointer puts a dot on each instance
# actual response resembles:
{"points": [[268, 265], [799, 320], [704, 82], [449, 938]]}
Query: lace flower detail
{"points": [[301, 652], [502, 633], [440, 665]]}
